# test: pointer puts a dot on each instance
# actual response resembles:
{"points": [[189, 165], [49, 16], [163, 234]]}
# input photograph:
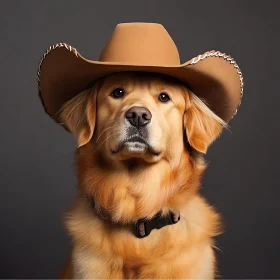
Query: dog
{"points": [[141, 138]]}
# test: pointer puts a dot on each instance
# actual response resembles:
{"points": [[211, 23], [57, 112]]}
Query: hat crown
{"points": [[141, 43]]}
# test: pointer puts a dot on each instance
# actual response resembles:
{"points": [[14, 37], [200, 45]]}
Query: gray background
{"points": [[37, 176]]}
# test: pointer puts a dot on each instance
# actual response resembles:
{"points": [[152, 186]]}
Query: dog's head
{"points": [[139, 139], [146, 116]]}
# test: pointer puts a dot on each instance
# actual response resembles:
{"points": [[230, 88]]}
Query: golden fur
{"points": [[132, 185]]}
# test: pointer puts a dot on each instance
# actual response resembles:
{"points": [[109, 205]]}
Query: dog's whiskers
{"points": [[103, 133], [107, 138]]}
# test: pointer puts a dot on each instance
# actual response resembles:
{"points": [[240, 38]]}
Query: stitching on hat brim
{"points": [[229, 59]]}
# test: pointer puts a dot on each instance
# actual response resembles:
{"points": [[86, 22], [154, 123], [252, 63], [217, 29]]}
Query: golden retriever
{"points": [[141, 139]]}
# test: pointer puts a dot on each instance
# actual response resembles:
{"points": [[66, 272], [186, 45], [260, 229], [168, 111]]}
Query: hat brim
{"points": [[213, 76]]}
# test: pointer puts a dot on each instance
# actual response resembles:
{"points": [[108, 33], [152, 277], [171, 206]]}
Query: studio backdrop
{"points": [[37, 168]]}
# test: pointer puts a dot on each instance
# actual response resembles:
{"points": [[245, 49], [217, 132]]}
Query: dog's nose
{"points": [[138, 116]]}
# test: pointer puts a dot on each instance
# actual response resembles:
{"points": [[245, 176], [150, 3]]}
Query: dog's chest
{"points": [[123, 256], [186, 262], [176, 251]]}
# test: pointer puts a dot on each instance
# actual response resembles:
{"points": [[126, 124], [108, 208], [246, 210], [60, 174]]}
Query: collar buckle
{"points": [[141, 229]]}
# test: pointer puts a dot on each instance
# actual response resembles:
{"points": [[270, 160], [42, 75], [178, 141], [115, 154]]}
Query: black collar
{"points": [[142, 227]]}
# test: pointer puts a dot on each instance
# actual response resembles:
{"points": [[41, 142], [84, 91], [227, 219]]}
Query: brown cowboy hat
{"points": [[213, 76]]}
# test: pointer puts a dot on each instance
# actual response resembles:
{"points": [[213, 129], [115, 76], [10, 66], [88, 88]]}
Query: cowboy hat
{"points": [[213, 76]]}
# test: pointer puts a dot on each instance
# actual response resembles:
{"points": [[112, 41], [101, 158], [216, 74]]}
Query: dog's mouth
{"points": [[135, 139], [135, 144]]}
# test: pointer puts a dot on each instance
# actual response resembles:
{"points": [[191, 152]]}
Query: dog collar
{"points": [[142, 227]]}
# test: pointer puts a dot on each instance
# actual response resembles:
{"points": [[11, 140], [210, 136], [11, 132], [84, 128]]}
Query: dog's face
{"points": [[145, 116], [139, 116]]}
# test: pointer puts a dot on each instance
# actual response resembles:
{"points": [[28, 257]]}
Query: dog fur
{"points": [[132, 184]]}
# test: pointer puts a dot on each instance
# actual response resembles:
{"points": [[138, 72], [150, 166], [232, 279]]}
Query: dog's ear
{"points": [[79, 115], [201, 125]]}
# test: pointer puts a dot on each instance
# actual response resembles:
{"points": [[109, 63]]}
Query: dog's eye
{"points": [[117, 93], [163, 97]]}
